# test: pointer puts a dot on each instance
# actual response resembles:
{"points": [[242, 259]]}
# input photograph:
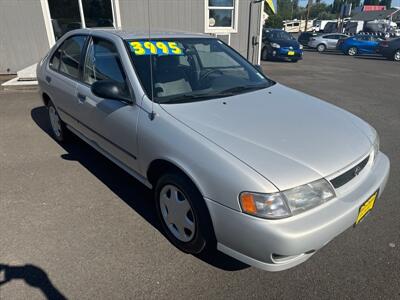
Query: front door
{"points": [[112, 123]]}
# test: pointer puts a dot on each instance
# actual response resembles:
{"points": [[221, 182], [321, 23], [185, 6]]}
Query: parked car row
{"points": [[358, 44]]}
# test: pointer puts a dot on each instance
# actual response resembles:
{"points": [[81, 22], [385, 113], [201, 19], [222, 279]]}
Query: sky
{"points": [[304, 2]]}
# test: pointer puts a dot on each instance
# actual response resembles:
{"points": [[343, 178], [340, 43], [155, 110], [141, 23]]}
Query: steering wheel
{"points": [[209, 72]]}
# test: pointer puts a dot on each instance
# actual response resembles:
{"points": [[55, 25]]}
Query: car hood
{"points": [[287, 43], [288, 137]]}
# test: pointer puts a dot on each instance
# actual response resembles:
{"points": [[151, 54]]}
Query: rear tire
{"points": [[321, 48], [294, 60], [58, 128], [183, 214], [396, 55], [352, 51]]}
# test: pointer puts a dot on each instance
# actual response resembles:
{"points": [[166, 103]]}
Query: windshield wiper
{"points": [[186, 98], [239, 89]]}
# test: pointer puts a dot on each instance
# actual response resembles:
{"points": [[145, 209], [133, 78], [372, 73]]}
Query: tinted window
{"points": [[67, 57], [102, 62]]}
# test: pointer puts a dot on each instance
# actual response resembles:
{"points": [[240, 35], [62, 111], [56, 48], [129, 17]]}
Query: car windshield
{"points": [[280, 35], [192, 69]]}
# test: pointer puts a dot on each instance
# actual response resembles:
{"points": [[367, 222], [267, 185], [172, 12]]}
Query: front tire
{"points": [[58, 128], [396, 55], [321, 48], [264, 54], [183, 214], [352, 51]]}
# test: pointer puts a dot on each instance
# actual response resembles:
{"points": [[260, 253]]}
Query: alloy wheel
{"points": [[352, 51], [397, 55]]}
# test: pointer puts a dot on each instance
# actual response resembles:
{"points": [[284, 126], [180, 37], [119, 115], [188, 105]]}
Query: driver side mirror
{"points": [[110, 89], [259, 68]]}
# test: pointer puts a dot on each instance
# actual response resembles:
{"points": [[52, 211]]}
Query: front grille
{"points": [[349, 175]]}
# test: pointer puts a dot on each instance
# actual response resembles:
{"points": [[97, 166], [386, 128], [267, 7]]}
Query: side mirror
{"points": [[111, 90], [259, 68]]}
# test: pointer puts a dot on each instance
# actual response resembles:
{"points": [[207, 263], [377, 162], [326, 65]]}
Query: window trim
{"points": [[232, 29]]}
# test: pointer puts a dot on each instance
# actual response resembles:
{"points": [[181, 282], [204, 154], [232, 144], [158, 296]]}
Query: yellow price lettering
{"points": [[174, 48], [151, 47], [138, 48], [162, 47]]}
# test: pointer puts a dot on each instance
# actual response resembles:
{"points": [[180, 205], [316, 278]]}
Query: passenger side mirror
{"points": [[259, 68], [111, 90]]}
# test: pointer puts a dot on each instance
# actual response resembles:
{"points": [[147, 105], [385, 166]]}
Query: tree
{"points": [[387, 3], [371, 2]]}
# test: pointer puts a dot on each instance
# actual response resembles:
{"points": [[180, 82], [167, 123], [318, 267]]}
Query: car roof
{"points": [[131, 34]]}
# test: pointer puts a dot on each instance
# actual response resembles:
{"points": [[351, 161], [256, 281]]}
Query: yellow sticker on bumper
{"points": [[366, 207]]}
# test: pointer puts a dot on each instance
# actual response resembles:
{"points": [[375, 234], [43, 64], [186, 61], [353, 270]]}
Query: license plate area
{"points": [[290, 53], [366, 207]]}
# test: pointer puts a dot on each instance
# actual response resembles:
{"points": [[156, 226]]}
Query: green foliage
{"points": [[387, 3], [274, 21]]}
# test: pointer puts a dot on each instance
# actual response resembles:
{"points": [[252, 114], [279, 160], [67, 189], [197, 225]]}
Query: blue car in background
{"points": [[278, 44], [359, 44]]}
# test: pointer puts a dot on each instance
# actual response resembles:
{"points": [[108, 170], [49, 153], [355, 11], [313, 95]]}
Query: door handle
{"points": [[81, 97], [48, 79]]}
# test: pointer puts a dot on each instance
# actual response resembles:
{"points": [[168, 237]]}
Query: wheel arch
{"points": [[45, 98]]}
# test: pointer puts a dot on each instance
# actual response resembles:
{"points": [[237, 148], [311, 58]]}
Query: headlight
{"points": [[301, 47], [287, 203], [275, 45]]}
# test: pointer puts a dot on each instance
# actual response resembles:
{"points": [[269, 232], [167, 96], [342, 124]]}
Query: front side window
{"points": [[192, 69], [221, 15], [279, 36], [102, 62], [67, 57]]}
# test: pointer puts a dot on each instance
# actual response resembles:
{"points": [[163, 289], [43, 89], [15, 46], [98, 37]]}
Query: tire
{"points": [[321, 48], [396, 55], [58, 129], [294, 60], [352, 51], [188, 206], [264, 54]]}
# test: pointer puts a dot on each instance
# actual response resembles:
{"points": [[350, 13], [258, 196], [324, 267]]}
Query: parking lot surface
{"points": [[74, 225]]}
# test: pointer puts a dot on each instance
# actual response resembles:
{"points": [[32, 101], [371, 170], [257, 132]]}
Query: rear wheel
{"points": [[352, 51], [321, 48], [396, 55], [183, 214], [58, 128]]}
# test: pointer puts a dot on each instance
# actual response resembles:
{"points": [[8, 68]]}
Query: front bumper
{"points": [[283, 53], [263, 243]]}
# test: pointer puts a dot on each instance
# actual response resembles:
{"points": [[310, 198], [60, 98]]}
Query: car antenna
{"points": [[152, 114]]}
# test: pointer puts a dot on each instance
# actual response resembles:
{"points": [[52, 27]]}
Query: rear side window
{"points": [[67, 57]]}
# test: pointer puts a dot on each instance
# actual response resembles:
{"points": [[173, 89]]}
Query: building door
{"points": [[68, 15]]}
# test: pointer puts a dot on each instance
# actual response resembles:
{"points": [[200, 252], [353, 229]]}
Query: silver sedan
{"points": [[326, 41], [237, 162]]}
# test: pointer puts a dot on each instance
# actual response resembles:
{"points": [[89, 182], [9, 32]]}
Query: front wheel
{"points": [[352, 51], [264, 54], [396, 56], [183, 213]]}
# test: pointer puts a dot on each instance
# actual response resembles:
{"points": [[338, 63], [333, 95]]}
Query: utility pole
{"points": [[308, 14]]}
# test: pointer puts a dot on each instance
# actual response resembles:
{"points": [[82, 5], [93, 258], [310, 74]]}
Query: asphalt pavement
{"points": [[74, 225]]}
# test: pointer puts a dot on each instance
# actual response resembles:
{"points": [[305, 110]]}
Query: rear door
{"points": [[111, 123], [331, 40], [62, 75]]}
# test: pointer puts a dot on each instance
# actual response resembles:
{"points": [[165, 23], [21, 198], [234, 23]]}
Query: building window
{"points": [[221, 16]]}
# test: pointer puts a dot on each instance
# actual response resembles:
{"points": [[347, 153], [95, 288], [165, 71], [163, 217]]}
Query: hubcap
{"points": [[397, 55], [352, 51], [177, 213], [321, 48], [55, 121]]}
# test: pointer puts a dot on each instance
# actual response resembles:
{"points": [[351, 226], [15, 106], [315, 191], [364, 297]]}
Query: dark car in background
{"points": [[280, 45], [305, 37], [359, 44], [390, 49]]}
